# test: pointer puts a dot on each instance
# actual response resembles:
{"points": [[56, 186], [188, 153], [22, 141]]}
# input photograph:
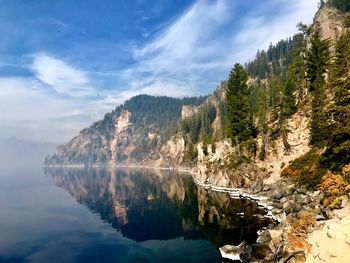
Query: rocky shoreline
{"points": [[283, 202]]}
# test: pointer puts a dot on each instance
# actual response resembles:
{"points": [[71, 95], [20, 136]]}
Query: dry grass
{"points": [[304, 223]]}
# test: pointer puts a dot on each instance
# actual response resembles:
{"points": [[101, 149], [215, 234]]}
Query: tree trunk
{"points": [[285, 139]]}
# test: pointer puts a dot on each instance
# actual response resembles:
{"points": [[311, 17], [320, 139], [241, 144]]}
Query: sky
{"points": [[64, 64]]}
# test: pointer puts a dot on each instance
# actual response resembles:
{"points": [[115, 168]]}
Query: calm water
{"points": [[101, 215]]}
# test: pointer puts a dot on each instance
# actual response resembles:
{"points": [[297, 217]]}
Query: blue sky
{"points": [[64, 64]]}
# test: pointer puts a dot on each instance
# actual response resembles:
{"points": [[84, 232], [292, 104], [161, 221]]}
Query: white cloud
{"points": [[184, 45], [189, 57], [62, 77], [259, 31], [198, 49], [35, 113]]}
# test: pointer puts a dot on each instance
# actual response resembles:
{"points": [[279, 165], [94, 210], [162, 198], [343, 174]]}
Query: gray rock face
{"points": [[134, 133]]}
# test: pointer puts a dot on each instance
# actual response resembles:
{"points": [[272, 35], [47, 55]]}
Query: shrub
{"points": [[334, 188], [304, 222], [305, 170], [346, 172]]}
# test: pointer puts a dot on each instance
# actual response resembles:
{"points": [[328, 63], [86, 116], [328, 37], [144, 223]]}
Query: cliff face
{"points": [[134, 133], [330, 22], [168, 132]]}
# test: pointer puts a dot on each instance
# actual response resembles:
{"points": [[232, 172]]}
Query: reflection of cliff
{"points": [[150, 204], [142, 205]]}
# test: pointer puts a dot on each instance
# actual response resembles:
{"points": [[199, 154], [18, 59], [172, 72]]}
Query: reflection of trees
{"points": [[149, 204], [141, 205], [218, 215]]}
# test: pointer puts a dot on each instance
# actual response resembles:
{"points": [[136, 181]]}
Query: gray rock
{"points": [[327, 213], [317, 211], [278, 196], [264, 238], [283, 200], [320, 218], [278, 205], [266, 188], [297, 208], [288, 207], [301, 199]]}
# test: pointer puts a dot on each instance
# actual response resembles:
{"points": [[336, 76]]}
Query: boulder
{"points": [[264, 238], [278, 196], [283, 200], [320, 217], [288, 207], [276, 236]]}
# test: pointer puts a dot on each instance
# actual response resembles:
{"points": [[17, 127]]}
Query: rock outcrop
{"points": [[135, 133]]}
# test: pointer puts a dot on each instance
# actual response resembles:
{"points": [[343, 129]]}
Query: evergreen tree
{"points": [[319, 120], [262, 123], [238, 119], [297, 68], [318, 59], [338, 152], [343, 5], [275, 97], [289, 105]]}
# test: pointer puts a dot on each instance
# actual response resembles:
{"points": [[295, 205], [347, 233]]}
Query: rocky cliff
{"points": [[137, 132], [190, 132]]}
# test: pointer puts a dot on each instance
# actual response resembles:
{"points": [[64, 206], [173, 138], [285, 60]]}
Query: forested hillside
{"points": [[290, 102], [128, 133]]}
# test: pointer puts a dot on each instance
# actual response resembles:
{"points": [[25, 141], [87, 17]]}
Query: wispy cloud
{"points": [[258, 29], [198, 49], [62, 77], [53, 104], [65, 91]]}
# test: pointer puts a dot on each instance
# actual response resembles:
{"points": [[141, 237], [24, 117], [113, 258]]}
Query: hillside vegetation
{"points": [[252, 118]]}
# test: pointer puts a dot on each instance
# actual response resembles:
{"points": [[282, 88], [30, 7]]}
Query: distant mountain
{"points": [[132, 133], [19, 152]]}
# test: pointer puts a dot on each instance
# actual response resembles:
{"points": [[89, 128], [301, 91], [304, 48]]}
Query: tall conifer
{"points": [[238, 120]]}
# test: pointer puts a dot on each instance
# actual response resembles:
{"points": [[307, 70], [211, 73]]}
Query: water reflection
{"points": [[159, 205]]}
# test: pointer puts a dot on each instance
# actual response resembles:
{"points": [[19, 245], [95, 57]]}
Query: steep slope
{"points": [[129, 135], [159, 131]]}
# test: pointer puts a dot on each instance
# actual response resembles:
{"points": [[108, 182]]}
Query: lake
{"points": [[116, 215]]}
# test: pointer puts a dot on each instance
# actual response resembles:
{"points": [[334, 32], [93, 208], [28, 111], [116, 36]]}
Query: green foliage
{"points": [[162, 112], [190, 153], [306, 170], [274, 61], [289, 104], [338, 152], [318, 58], [199, 126], [239, 123], [342, 5], [275, 97], [319, 122], [347, 20]]}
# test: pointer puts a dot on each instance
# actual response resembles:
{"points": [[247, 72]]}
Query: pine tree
{"points": [[289, 104], [238, 119], [338, 152], [262, 123], [319, 121], [318, 59], [297, 68]]}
